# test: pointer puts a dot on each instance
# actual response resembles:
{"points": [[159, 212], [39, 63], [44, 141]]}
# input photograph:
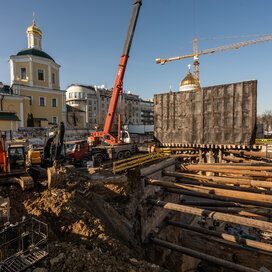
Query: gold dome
{"points": [[190, 80], [33, 28]]}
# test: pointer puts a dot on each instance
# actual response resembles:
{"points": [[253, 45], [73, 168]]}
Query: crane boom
{"points": [[218, 49], [118, 85]]}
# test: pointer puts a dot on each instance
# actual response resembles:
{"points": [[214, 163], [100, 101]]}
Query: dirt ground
{"points": [[87, 231]]}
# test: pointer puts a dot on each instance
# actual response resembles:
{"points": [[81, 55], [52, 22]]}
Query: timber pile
{"points": [[232, 194], [220, 154]]}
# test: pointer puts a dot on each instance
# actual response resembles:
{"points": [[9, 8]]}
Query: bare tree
{"points": [[126, 111], [266, 120]]}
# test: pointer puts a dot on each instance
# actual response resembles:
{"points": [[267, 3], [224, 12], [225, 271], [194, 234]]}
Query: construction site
{"points": [[194, 196]]}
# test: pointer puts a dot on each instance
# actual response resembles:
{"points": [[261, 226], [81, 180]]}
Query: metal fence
{"points": [[263, 141], [122, 165]]}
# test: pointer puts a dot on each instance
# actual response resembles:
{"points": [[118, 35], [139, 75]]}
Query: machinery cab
{"points": [[16, 158], [125, 137]]}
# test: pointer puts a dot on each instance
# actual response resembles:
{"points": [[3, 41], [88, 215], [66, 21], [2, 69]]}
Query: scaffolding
{"points": [[22, 245]]}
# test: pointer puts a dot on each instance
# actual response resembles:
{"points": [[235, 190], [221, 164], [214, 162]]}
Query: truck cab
{"points": [[80, 152]]}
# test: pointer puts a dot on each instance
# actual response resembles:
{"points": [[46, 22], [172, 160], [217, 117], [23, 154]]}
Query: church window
{"points": [[42, 101], [53, 78], [41, 74], [31, 100], [23, 73], [54, 102], [55, 120]]}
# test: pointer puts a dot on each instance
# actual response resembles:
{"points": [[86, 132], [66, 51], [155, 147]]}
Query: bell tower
{"points": [[34, 35]]}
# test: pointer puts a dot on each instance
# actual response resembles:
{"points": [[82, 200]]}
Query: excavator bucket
{"points": [[56, 175], [26, 182]]}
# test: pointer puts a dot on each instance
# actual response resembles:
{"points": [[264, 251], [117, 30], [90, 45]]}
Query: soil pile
{"points": [[87, 231]]}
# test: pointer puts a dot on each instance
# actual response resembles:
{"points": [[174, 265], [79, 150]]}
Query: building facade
{"points": [[35, 75], [147, 111], [11, 107], [95, 101]]}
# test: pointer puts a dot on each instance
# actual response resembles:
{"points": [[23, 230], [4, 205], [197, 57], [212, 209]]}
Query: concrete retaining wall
{"points": [[223, 114]]}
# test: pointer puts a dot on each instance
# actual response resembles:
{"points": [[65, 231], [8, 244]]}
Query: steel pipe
{"points": [[251, 154], [222, 186], [202, 167], [226, 171], [225, 236], [202, 256], [221, 180], [222, 198], [215, 215], [214, 191]]}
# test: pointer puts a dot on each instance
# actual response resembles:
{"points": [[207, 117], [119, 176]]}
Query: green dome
{"points": [[34, 52]]}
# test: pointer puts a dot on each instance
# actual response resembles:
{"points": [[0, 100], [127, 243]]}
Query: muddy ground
{"points": [[87, 229]]}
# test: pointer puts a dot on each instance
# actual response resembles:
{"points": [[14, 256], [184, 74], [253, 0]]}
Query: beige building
{"points": [[95, 101], [10, 108], [35, 83]]}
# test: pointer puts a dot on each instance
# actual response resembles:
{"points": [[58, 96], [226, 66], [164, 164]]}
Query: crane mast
{"points": [[118, 85]]}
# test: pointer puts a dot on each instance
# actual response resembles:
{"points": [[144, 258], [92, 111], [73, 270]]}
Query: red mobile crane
{"points": [[118, 85]]}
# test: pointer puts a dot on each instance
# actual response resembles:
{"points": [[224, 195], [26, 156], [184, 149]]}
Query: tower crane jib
{"points": [[195, 54]]}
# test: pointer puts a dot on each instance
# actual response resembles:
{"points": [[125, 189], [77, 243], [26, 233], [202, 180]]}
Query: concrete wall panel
{"points": [[223, 114]]}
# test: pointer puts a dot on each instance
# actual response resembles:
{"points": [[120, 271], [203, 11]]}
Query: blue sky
{"points": [[86, 38]]}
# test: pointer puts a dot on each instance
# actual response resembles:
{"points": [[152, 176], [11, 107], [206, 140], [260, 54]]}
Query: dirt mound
{"points": [[87, 231]]}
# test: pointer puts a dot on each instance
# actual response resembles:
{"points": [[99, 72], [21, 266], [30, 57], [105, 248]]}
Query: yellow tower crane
{"points": [[265, 38]]}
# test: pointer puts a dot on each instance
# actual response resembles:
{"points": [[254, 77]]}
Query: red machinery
{"points": [[3, 156], [13, 165], [118, 85]]}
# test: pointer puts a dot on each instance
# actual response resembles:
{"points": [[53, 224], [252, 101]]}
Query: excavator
{"points": [[52, 156], [13, 165], [120, 144]]}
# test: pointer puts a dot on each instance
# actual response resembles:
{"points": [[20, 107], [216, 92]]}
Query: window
{"points": [[53, 78], [31, 100], [70, 95], [95, 108], [90, 102], [90, 108], [55, 120], [42, 101], [102, 98], [41, 74], [23, 73], [75, 95], [83, 95], [79, 95], [102, 105], [54, 102]]}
